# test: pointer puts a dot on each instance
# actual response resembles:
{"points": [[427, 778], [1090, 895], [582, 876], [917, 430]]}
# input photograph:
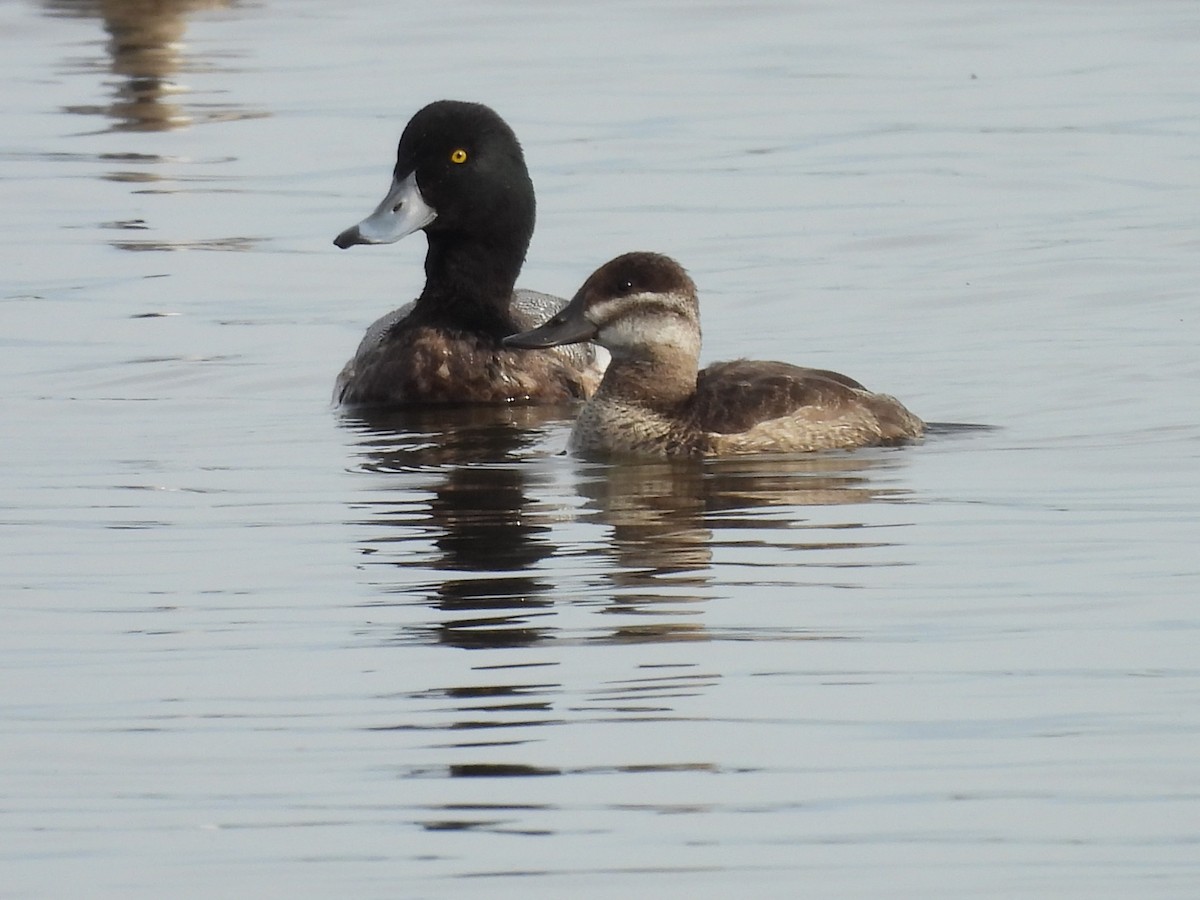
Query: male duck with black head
{"points": [[642, 308], [460, 176]]}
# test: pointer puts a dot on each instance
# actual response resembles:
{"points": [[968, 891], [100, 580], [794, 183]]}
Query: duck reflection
{"points": [[145, 48], [466, 487], [468, 507], [663, 516], [659, 546], [459, 477]]}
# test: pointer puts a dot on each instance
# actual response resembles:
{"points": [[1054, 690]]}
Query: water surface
{"points": [[254, 646]]}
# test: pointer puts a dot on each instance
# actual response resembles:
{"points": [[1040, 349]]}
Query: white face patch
{"points": [[642, 321]]}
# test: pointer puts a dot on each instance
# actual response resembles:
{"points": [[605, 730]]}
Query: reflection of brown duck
{"points": [[661, 545], [662, 512], [667, 517], [459, 527], [145, 40], [656, 512]]}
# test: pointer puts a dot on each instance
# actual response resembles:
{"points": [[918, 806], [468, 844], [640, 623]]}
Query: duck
{"points": [[655, 401], [460, 177]]}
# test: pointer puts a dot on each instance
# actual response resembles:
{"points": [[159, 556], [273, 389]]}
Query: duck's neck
{"points": [[469, 282], [662, 379]]}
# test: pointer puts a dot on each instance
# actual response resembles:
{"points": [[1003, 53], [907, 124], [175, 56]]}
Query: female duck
{"points": [[461, 177], [642, 308]]}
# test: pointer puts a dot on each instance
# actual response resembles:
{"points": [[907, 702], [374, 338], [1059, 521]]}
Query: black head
{"points": [[460, 175], [470, 170]]}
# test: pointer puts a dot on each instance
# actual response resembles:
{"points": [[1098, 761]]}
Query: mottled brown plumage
{"points": [[642, 308], [437, 365]]}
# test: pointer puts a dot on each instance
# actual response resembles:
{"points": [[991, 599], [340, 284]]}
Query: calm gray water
{"points": [[252, 647]]}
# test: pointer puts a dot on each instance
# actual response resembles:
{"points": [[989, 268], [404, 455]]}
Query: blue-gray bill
{"points": [[399, 214]]}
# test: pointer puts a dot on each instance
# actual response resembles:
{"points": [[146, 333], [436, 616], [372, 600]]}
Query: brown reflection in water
{"points": [[660, 544], [485, 521], [463, 486], [663, 515], [480, 514], [146, 51]]}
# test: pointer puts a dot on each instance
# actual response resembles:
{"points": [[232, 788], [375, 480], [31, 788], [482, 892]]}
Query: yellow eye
{"points": [[458, 156]]}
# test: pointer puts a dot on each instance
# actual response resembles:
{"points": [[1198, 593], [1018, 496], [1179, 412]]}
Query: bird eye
{"points": [[625, 286], [458, 156]]}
